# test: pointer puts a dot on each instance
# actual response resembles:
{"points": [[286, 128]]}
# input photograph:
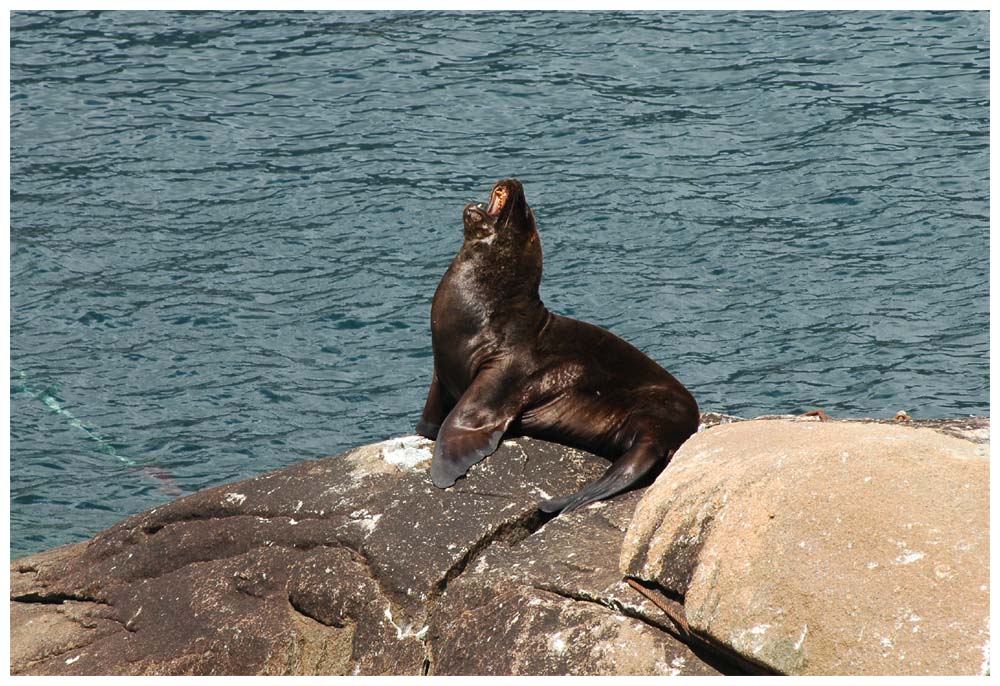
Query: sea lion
{"points": [[505, 365]]}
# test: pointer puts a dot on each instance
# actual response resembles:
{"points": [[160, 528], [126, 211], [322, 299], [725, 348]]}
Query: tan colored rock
{"points": [[825, 548]]}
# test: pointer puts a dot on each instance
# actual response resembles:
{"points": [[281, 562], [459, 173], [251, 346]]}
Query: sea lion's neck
{"points": [[502, 273]]}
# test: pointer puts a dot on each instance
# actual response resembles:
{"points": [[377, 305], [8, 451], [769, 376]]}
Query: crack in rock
{"points": [[510, 534], [611, 604], [56, 598], [706, 650]]}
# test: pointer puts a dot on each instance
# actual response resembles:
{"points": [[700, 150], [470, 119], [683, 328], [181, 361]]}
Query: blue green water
{"points": [[226, 228]]}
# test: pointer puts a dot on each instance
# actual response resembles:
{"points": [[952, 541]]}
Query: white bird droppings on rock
{"points": [[909, 557], [751, 640], [235, 498], [367, 520], [405, 632], [406, 452], [802, 637]]}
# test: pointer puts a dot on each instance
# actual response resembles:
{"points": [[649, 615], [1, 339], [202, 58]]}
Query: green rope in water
{"points": [[47, 397]]}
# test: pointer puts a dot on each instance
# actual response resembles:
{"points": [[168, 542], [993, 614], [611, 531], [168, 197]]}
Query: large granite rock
{"points": [[351, 565], [826, 548]]}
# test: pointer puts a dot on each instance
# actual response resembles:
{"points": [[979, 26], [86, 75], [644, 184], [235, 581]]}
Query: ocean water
{"points": [[226, 228]]}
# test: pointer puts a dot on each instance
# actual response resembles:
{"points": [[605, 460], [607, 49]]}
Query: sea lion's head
{"points": [[509, 207], [503, 239]]}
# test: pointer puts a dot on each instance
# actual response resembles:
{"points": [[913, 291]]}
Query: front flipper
{"points": [[473, 429], [642, 460], [437, 407]]}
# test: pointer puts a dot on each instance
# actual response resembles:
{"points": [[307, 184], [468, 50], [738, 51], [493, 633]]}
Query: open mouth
{"points": [[497, 201]]}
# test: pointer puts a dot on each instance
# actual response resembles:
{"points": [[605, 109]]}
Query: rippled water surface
{"points": [[226, 229]]}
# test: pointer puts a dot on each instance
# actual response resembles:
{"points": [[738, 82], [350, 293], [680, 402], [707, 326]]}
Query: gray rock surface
{"points": [[826, 548], [347, 565]]}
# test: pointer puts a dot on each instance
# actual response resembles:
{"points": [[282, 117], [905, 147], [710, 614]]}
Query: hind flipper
{"points": [[473, 429], [640, 461]]}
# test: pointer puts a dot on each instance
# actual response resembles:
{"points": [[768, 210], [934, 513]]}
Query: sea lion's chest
{"points": [[486, 309], [463, 330]]}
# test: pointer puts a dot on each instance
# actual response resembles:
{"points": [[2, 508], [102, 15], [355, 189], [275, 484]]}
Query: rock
{"points": [[826, 548], [349, 565], [357, 565], [553, 605]]}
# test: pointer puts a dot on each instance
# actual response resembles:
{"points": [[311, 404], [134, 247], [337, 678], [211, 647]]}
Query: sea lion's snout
{"points": [[477, 223], [473, 213]]}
